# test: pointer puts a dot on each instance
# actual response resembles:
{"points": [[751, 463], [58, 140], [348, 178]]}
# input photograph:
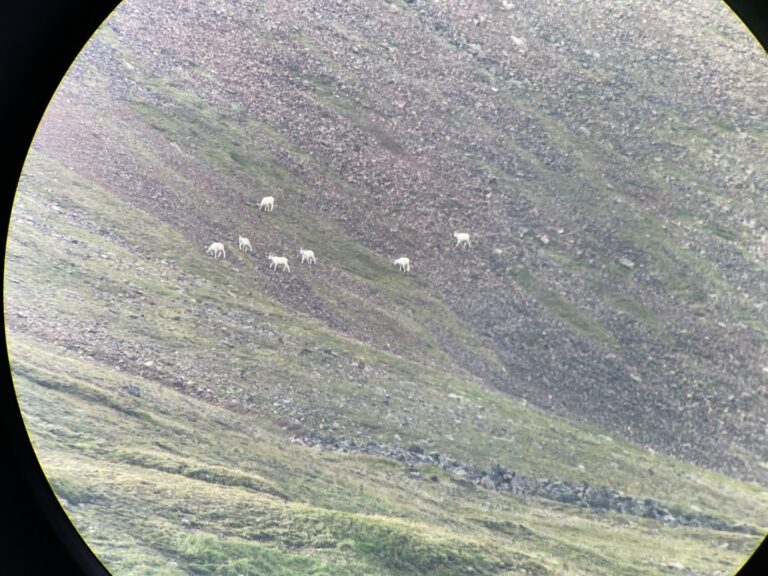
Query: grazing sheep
{"points": [[244, 244], [268, 203], [462, 238], [307, 255], [279, 260], [217, 249], [403, 264]]}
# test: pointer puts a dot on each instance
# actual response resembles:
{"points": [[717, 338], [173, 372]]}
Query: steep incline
{"points": [[583, 392], [609, 162]]}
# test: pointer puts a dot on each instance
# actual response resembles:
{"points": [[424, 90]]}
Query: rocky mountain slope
{"points": [[609, 162], [612, 173]]}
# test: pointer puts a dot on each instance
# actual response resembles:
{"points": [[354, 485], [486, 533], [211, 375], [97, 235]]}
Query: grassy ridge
{"points": [[164, 480]]}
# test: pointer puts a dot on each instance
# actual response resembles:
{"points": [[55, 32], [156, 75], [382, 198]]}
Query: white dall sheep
{"points": [[244, 244], [217, 249], [462, 238], [403, 264], [307, 255], [279, 261], [267, 203]]}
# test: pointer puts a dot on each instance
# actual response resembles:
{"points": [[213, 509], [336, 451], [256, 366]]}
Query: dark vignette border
{"points": [[39, 39]]}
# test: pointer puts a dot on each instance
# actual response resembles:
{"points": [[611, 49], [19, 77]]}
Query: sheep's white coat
{"points": [[403, 264], [462, 238], [268, 203], [217, 249], [279, 261], [244, 244], [307, 255]]}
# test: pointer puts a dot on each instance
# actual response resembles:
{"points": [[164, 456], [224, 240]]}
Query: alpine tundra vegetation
{"points": [[583, 390]]}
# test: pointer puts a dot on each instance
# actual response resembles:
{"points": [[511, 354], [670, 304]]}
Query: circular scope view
{"points": [[400, 287]]}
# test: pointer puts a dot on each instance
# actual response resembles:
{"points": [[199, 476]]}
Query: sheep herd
{"points": [[268, 203]]}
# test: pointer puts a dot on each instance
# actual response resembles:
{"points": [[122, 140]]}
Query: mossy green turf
{"points": [[166, 483]]}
